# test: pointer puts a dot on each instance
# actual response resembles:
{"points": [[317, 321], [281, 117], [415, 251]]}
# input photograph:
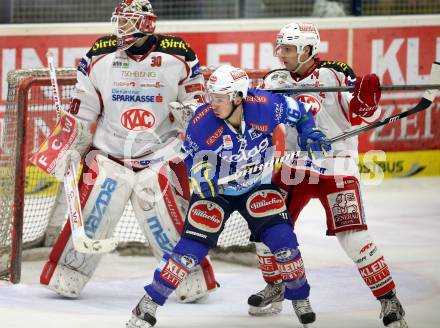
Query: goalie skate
{"points": [[267, 301], [304, 312], [144, 314], [392, 312]]}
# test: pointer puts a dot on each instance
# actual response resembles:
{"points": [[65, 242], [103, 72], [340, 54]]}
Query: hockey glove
{"points": [[314, 142], [366, 95], [182, 113], [204, 180]]}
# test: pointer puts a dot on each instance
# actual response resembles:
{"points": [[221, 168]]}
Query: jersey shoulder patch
{"points": [[174, 45], [104, 45], [263, 109], [276, 72], [277, 79], [339, 67]]}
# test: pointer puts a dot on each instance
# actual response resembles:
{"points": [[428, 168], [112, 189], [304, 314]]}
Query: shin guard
{"points": [[368, 258]]}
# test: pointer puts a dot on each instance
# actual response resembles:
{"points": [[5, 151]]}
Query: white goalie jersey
{"points": [[330, 111], [128, 94]]}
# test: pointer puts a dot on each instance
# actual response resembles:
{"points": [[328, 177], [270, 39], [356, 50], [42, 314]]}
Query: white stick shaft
{"points": [[53, 81], [81, 242]]}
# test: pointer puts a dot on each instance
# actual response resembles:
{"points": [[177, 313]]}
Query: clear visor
{"points": [[219, 99], [282, 50]]}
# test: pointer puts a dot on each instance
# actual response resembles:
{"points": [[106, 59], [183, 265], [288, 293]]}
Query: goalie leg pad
{"points": [[267, 263], [104, 189], [66, 281], [160, 209], [371, 264]]}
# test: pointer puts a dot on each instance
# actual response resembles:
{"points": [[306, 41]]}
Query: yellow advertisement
{"points": [[399, 164], [39, 183]]}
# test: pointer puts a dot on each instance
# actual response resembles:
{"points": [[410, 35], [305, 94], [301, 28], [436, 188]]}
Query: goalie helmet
{"points": [[228, 80], [299, 35], [133, 19]]}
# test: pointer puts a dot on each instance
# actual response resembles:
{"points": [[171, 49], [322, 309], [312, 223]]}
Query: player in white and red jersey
{"points": [[335, 180], [129, 85]]}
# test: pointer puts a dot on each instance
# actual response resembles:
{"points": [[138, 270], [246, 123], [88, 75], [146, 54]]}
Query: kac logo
{"points": [[137, 119]]}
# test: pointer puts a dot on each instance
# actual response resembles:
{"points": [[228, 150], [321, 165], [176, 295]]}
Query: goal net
{"points": [[32, 203]]}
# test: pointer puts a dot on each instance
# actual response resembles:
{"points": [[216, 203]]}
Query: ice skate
{"points": [[304, 312], [144, 314], [267, 301], [392, 312]]}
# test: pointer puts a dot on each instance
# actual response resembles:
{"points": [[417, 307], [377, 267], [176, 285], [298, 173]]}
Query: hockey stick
{"points": [[81, 242], [399, 87], [424, 103]]}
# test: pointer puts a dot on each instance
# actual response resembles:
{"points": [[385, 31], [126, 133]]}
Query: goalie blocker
{"points": [[158, 195]]}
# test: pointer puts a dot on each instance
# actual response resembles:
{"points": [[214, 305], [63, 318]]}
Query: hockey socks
{"points": [[282, 242], [174, 268], [369, 260]]}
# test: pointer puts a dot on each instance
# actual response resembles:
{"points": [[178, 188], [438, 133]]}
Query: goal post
{"points": [[28, 116], [30, 199]]}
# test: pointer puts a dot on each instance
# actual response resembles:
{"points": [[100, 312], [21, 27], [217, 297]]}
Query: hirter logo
{"points": [[265, 202], [206, 216], [137, 119], [312, 101]]}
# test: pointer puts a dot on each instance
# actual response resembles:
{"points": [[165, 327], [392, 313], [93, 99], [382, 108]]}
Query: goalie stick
{"points": [[81, 242], [424, 103]]}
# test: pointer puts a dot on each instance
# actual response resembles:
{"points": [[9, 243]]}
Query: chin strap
{"points": [[234, 107], [300, 64]]}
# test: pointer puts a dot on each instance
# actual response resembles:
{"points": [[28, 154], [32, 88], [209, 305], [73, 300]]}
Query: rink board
{"points": [[400, 164]]}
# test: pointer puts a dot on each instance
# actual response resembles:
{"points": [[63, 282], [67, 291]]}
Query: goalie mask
{"points": [[299, 35], [133, 19]]}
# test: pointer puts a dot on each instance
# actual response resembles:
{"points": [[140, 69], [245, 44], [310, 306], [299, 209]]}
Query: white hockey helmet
{"points": [[228, 80], [133, 19], [300, 35]]}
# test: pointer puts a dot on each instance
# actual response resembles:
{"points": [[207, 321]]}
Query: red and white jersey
{"points": [[330, 111], [127, 94]]}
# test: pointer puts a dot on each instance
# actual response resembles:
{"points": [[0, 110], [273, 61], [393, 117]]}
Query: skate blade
{"points": [[271, 309], [135, 322]]}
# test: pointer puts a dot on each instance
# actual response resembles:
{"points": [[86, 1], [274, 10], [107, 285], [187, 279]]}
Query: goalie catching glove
{"points": [[182, 113], [314, 142]]}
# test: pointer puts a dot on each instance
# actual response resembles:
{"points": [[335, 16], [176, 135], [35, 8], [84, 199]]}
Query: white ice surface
{"points": [[404, 220]]}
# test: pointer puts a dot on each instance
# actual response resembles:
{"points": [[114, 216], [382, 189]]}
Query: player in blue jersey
{"points": [[229, 133]]}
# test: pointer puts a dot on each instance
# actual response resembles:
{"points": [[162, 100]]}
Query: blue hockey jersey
{"points": [[209, 138]]}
